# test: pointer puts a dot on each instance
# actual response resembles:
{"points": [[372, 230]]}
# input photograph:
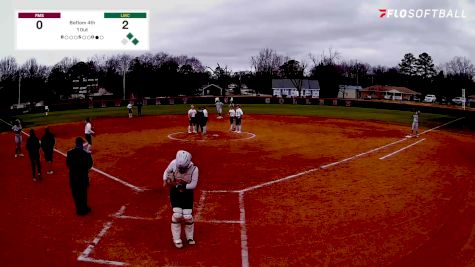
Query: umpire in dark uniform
{"points": [[79, 163], [199, 117]]}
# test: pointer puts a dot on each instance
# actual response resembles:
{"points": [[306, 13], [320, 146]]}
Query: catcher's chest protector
{"points": [[185, 177]]}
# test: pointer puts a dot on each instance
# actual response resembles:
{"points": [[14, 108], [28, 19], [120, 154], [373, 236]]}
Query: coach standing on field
{"points": [[79, 163]]}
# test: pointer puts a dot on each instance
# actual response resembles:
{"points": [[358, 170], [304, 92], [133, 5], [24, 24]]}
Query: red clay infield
{"points": [[256, 205]]}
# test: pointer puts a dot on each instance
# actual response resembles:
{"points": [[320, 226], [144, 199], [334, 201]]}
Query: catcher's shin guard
{"points": [[189, 224], [176, 225]]}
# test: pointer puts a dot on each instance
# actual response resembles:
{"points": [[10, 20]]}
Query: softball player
{"points": [[88, 132], [232, 119], [239, 115], [219, 109], [129, 108], [18, 138], [415, 124], [192, 119], [205, 120], [181, 176]]}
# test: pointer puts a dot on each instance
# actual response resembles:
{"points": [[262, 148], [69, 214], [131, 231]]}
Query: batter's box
{"points": [[149, 243], [218, 207]]}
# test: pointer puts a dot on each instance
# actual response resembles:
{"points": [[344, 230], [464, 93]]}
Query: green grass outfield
{"points": [[427, 120]]}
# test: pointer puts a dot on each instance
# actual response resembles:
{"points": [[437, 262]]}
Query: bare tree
{"points": [[330, 58], [66, 63], [160, 58], [460, 66], [8, 67], [268, 61], [99, 61], [124, 61]]}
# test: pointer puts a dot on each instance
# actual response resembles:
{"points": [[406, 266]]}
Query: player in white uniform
{"points": [[88, 132], [192, 119], [239, 115], [129, 108], [181, 176], [205, 120], [415, 124], [232, 118], [18, 138], [219, 109]]}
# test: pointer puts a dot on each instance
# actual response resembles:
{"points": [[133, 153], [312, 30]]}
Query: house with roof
{"points": [[212, 89], [287, 88], [388, 92]]}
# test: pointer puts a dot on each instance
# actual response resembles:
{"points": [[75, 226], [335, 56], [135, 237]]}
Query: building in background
{"points": [[288, 88], [349, 91], [388, 93]]}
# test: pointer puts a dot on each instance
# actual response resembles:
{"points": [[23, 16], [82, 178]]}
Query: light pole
{"points": [[19, 87], [123, 84]]}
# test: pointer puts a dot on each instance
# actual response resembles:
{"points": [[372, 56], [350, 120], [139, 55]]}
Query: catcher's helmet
{"points": [[183, 159]]}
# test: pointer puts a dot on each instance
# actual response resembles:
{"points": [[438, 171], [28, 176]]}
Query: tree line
{"points": [[162, 74]]}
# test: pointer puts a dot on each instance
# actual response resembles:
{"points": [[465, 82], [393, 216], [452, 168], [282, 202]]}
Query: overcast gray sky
{"points": [[229, 32]]}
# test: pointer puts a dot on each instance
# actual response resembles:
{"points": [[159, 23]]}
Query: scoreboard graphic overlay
{"points": [[82, 30]]}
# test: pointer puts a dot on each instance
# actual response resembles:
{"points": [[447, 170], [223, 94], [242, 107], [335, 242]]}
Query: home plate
{"points": [[408, 136], [215, 135]]}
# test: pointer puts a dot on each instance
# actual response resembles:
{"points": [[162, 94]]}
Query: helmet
{"points": [[183, 159]]}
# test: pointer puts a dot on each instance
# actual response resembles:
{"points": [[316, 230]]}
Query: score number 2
{"points": [[125, 25]]}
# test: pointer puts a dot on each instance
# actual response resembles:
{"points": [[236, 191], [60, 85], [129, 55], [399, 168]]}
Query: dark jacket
{"points": [[79, 162], [33, 146], [47, 142]]}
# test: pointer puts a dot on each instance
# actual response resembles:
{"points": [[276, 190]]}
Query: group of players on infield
{"points": [[198, 118]]}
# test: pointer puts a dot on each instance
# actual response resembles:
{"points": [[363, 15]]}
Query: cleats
{"points": [[178, 243]]}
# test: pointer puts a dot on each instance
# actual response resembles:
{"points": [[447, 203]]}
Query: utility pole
{"points": [[19, 86], [123, 83]]}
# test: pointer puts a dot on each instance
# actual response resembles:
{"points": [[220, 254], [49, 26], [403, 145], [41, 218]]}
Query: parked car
{"points": [[416, 98], [458, 100], [430, 99]]}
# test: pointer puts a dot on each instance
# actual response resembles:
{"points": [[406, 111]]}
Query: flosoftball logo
{"points": [[422, 13]]}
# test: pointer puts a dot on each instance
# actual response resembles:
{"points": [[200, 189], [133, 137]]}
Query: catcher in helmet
{"points": [[181, 176]]}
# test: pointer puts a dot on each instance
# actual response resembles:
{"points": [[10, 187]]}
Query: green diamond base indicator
{"points": [[135, 41], [130, 36], [125, 15]]}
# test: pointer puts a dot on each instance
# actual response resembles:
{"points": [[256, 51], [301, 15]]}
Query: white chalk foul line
{"points": [[242, 218], [133, 187], [339, 162], [85, 254], [105, 262], [399, 150], [318, 168], [430, 130]]}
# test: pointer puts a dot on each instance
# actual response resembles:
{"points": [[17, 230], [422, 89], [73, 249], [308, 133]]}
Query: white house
{"points": [[286, 88]]}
